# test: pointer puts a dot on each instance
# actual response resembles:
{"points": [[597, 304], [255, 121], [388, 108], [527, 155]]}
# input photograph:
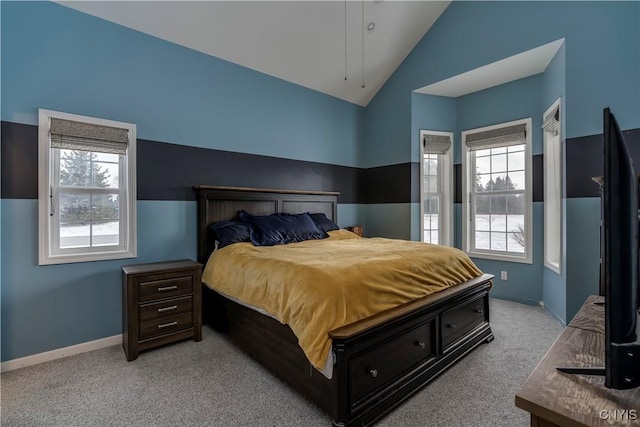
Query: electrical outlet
{"points": [[503, 275]]}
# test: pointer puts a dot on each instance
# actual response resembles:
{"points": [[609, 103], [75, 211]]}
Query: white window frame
{"points": [[467, 217], [553, 169], [445, 176], [48, 227]]}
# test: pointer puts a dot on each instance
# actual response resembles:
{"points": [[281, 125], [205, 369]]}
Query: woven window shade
{"points": [[496, 138], [552, 122], [436, 144], [71, 135]]}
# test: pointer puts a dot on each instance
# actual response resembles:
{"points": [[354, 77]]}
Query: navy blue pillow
{"points": [[280, 229], [323, 223], [228, 232]]}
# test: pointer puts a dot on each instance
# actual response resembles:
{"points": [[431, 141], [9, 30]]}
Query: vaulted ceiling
{"points": [[302, 42]]}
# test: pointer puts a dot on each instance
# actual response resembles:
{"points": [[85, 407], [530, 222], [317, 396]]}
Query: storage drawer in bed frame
{"points": [[462, 319], [393, 363], [371, 370]]}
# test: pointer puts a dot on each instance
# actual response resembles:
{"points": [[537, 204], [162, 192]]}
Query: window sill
{"points": [[500, 257], [75, 258]]}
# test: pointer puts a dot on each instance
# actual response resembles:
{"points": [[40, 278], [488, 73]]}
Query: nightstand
{"points": [[357, 229], [161, 304]]}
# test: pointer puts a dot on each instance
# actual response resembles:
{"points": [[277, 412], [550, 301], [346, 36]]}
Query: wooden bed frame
{"points": [[380, 361]]}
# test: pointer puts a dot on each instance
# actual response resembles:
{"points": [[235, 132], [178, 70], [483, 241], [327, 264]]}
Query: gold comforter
{"points": [[319, 285]]}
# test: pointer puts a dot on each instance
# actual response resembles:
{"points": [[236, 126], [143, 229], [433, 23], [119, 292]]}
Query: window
{"points": [[437, 184], [552, 188], [87, 188], [497, 213]]}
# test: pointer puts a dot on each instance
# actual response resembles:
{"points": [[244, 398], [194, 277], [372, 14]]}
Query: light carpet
{"points": [[211, 383]]}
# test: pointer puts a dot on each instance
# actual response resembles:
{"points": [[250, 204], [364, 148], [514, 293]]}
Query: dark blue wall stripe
{"points": [[19, 150], [390, 184], [537, 162], [168, 171], [585, 159]]}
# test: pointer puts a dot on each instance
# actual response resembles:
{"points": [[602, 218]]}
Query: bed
{"points": [[378, 361]]}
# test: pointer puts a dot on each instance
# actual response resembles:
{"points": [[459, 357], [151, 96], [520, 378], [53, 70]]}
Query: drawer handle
{"points": [[373, 372], [451, 326], [165, 309], [421, 344], [167, 325], [479, 310], [168, 288]]}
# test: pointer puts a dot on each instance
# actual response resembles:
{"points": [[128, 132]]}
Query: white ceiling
{"points": [[506, 70], [302, 42]]}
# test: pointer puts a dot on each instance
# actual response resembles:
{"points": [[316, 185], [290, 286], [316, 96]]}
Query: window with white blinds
{"points": [[87, 188], [436, 196], [497, 208]]}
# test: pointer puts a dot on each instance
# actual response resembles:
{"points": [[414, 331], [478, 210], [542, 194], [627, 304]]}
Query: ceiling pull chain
{"points": [[363, 85], [345, 40]]}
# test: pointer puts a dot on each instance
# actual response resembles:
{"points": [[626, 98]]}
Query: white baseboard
{"points": [[59, 353]]}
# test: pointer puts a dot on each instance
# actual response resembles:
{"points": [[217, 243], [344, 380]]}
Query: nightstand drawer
{"points": [[166, 288], [166, 308], [165, 325]]}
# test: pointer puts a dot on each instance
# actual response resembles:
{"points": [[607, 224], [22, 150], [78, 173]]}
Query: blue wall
{"points": [[57, 58], [48, 307], [429, 112], [602, 67], [592, 70], [583, 251], [511, 101]]}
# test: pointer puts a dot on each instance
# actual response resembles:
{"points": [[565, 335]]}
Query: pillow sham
{"points": [[278, 229], [323, 223], [228, 232]]}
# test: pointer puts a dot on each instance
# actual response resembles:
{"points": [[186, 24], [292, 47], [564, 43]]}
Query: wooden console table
{"points": [[557, 399]]}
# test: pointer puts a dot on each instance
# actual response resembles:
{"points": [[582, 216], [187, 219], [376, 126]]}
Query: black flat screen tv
{"points": [[620, 263]]}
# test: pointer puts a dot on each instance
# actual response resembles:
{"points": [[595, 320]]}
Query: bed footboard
{"points": [[385, 359]]}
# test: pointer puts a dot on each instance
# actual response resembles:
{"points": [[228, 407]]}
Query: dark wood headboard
{"points": [[224, 203]]}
